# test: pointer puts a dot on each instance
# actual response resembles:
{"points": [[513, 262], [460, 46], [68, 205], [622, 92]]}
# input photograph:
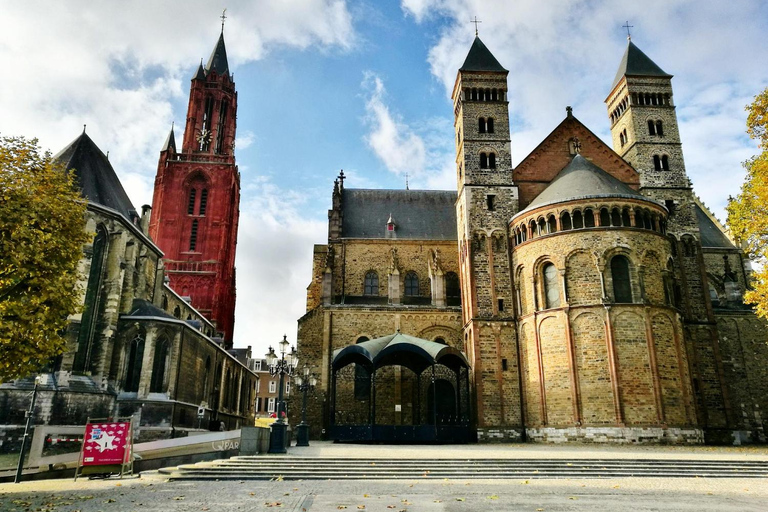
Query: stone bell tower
{"points": [[487, 199], [197, 196]]}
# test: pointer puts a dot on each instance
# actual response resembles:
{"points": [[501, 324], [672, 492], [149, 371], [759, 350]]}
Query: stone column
{"points": [[394, 294], [146, 362]]}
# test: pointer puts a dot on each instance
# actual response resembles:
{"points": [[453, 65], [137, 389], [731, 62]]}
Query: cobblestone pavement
{"points": [[636, 494]]}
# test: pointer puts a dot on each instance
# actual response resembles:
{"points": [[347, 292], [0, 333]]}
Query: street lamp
{"points": [[30, 415], [282, 366], [307, 383]]}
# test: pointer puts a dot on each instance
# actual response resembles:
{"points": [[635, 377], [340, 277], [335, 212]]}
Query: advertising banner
{"points": [[107, 443]]}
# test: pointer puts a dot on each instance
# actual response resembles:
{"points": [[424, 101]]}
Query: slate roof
{"points": [[141, 307], [418, 214], [581, 179], [170, 142], [480, 58], [711, 235], [636, 63], [218, 60], [95, 176], [200, 74]]}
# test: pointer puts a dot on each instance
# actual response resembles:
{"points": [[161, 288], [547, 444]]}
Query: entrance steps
{"points": [[314, 468]]}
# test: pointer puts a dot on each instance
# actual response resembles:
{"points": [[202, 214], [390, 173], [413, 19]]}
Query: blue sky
{"points": [[364, 86]]}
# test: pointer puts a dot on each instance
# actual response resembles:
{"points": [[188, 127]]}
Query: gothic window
{"points": [[205, 142], [656, 163], [371, 283], [165, 303], [133, 368], [665, 162], [492, 160], [207, 374], [489, 124], [659, 128], [589, 218], [578, 220], [565, 221], [651, 127], [93, 298], [483, 161], [362, 378], [220, 128], [191, 203], [452, 289], [622, 286], [159, 365], [193, 236], [481, 125], [551, 289], [411, 284], [203, 201]]}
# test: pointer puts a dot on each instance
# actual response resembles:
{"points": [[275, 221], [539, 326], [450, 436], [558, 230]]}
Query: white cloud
{"points": [[245, 139]]}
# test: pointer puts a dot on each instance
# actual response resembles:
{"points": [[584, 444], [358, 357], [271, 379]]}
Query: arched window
{"points": [[177, 312], [622, 286], [93, 299], [492, 160], [207, 375], [203, 201], [483, 161], [589, 218], [489, 123], [578, 220], [159, 364], [542, 227], [165, 303], [647, 224], [362, 378], [440, 341], [625, 221], [656, 163], [621, 139], [481, 125], [551, 224], [615, 217], [532, 228], [452, 289], [191, 203], [605, 218], [665, 162], [551, 289], [371, 283], [411, 284], [565, 221], [193, 236], [133, 366], [651, 128], [659, 128]]}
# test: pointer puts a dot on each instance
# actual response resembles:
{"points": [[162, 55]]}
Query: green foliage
{"points": [[42, 219], [747, 213]]}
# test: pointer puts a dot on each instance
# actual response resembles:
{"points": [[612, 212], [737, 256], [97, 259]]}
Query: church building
{"points": [[586, 294]]}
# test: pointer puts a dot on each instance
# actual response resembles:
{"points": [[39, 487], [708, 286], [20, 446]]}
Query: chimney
{"points": [[146, 212]]}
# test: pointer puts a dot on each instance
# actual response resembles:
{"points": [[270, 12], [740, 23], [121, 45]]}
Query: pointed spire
{"points": [[170, 142], [200, 75], [480, 58], [636, 63], [218, 60]]}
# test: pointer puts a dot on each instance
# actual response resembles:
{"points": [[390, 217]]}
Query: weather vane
{"points": [[475, 22], [223, 18], [628, 26]]}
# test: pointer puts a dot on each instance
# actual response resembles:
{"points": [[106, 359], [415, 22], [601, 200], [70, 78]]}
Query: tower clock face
{"points": [[203, 136]]}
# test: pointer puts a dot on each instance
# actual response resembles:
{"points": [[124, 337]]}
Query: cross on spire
{"points": [[628, 26], [223, 18], [475, 21]]}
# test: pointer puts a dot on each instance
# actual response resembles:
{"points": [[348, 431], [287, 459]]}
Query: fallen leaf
{"points": [[493, 497], [110, 500], [572, 498], [179, 498], [341, 507], [361, 507], [459, 499]]}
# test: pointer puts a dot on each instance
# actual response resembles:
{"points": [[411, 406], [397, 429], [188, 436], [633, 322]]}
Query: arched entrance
{"points": [[399, 388]]}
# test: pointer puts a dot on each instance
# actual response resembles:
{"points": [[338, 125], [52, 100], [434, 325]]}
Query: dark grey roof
{"points": [[95, 176], [399, 349], [170, 142], [581, 179], [711, 235], [141, 307], [218, 60], [200, 75], [480, 58], [636, 63], [418, 214]]}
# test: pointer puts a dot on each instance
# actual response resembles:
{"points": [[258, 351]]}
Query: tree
{"points": [[42, 220], [747, 213]]}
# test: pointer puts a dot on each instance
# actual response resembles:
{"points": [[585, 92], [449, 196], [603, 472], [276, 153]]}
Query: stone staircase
{"points": [[306, 468]]}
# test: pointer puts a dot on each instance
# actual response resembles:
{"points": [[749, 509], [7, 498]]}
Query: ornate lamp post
{"points": [[282, 366], [307, 383]]}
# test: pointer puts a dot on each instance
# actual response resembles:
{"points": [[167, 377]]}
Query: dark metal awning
{"points": [[415, 354]]}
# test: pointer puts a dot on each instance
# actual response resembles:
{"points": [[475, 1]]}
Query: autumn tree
{"points": [[42, 234], [748, 212]]}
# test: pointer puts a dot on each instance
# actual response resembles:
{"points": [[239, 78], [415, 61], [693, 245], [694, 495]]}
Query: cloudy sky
{"points": [[364, 86]]}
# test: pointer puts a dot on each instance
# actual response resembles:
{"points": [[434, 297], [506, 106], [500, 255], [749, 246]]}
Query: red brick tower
{"points": [[197, 197]]}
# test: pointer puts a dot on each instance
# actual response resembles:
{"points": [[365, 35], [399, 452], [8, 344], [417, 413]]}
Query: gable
{"points": [[540, 167]]}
